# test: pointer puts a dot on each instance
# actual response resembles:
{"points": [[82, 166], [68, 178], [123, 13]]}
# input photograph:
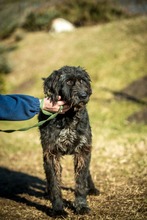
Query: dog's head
{"points": [[71, 83]]}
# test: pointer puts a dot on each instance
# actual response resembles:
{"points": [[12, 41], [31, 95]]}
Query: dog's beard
{"points": [[77, 103], [79, 106], [74, 98]]}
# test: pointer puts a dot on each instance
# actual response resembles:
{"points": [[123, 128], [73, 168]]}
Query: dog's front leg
{"points": [[53, 175], [81, 165]]}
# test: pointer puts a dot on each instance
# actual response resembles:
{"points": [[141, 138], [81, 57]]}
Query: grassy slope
{"points": [[114, 55]]}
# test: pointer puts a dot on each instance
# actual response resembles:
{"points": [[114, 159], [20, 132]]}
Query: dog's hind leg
{"points": [[53, 175], [92, 190], [81, 164]]}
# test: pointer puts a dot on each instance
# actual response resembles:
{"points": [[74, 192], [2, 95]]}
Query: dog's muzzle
{"points": [[79, 100], [83, 95]]}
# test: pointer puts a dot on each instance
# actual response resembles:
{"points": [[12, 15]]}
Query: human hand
{"points": [[48, 105]]}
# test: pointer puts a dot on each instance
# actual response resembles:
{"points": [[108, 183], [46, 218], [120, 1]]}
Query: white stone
{"points": [[61, 25]]}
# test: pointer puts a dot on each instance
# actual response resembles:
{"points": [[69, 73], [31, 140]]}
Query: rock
{"points": [[61, 25]]}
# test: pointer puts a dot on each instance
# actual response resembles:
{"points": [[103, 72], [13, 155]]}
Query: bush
{"points": [[80, 13], [2, 83], [86, 12], [4, 65], [39, 20], [7, 30], [4, 68]]}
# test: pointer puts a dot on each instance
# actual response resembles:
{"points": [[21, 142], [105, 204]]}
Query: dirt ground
{"points": [[120, 176]]}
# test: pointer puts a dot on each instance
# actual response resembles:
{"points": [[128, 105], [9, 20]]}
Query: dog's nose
{"points": [[83, 94]]}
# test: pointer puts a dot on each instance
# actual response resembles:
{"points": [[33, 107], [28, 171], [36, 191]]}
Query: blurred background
{"points": [[109, 39]]}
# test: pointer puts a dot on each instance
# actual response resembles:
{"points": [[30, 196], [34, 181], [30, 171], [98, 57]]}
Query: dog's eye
{"points": [[70, 82], [81, 81]]}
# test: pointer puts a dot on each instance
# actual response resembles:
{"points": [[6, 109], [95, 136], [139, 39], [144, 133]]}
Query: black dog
{"points": [[68, 133]]}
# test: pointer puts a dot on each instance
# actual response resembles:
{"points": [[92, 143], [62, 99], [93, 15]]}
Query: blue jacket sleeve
{"points": [[18, 107]]}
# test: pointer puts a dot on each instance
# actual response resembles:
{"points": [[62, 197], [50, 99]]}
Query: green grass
{"points": [[114, 55]]}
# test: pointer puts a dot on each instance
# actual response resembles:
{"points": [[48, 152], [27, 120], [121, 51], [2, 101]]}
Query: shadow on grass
{"points": [[13, 185]]}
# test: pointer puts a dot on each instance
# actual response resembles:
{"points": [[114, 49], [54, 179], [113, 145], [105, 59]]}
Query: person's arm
{"points": [[18, 107]]}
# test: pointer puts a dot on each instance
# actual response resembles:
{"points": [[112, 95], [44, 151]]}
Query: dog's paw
{"points": [[94, 192], [82, 210], [60, 213], [81, 207]]}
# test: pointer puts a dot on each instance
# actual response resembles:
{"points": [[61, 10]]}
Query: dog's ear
{"points": [[51, 86], [87, 77], [43, 78]]}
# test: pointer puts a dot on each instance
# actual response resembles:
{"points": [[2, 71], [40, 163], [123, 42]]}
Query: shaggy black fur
{"points": [[68, 133]]}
